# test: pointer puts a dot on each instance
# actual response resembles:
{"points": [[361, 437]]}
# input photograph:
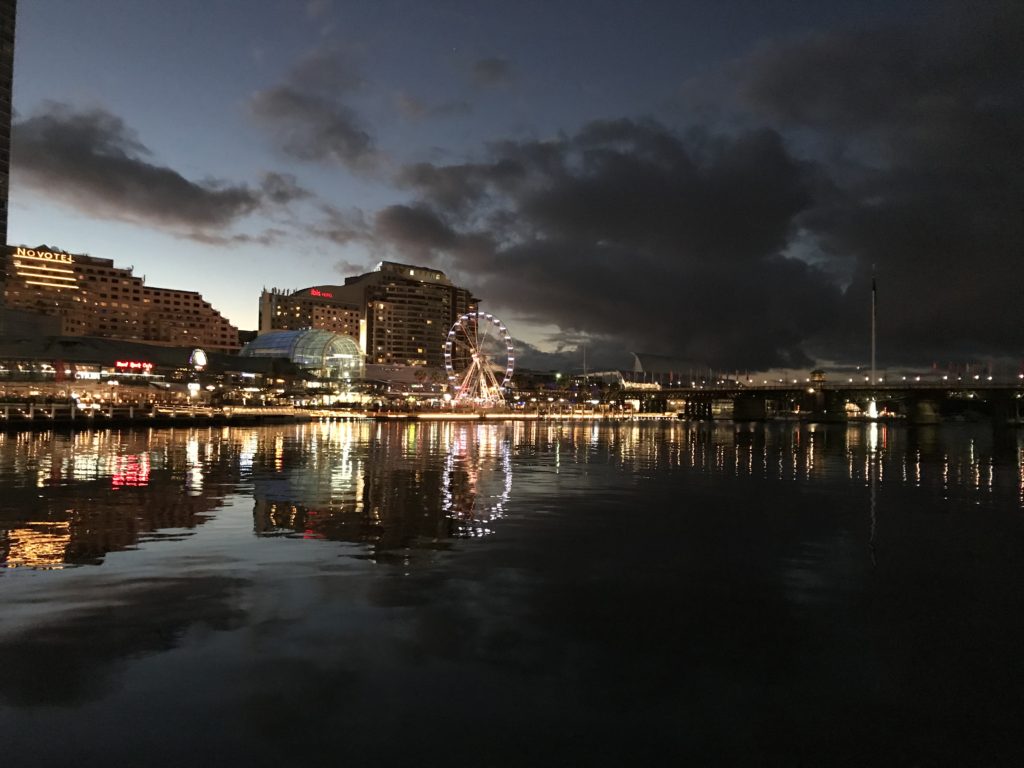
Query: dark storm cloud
{"points": [[921, 129], [626, 231], [456, 187], [349, 268], [93, 162], [343, 227], [415, 228], [282, 188], [269, 236], [896, 149], [307, 117], [491, 71], [421, 233], [312, 128]]}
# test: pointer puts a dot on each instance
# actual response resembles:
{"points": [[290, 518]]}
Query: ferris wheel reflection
{"points": [[477, 480]]}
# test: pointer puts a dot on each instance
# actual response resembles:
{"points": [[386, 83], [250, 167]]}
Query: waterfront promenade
{"points": [[32, 416], [26, 416]]}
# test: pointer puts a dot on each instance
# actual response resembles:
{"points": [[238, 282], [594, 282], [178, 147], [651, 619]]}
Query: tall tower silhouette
{"points": [[7, 13]]}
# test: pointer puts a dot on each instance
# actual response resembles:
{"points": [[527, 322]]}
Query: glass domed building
{"points": [[323, 354]]}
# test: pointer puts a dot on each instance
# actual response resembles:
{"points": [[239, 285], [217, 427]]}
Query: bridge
{"points": [[919, 402]]}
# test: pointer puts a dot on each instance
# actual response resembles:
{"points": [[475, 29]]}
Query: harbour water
{"points": [[503, 593]]}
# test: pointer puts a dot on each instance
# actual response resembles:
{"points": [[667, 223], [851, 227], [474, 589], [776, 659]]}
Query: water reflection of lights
{"points": [[279, 452], [92, 493], [945, 474], [41, 545], [411, 485], [194, 473], [477, 480], [1020, 475], [131, 471], [250, 444]]}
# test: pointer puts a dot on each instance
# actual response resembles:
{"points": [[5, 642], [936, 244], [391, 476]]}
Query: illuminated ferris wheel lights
{"points": [[473, 372]]}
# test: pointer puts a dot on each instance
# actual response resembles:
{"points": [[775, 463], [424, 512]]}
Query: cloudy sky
{"points": [[715, 181]]}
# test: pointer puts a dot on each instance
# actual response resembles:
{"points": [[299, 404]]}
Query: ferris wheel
{"points": [[479, 358]]}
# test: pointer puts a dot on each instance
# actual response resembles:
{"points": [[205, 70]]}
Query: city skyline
{"points": [[716, 184]]}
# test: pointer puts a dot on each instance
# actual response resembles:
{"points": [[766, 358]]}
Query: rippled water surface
{"points": [[513, 594]]}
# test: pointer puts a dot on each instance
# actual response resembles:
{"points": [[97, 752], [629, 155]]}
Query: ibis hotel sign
{"points": [[31, 253]]}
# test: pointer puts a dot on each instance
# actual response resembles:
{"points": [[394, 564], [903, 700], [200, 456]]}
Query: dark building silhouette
{"points": [[7, 13]]}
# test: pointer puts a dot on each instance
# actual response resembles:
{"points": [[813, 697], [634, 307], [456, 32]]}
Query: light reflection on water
{"points": [[72, 499], [512, 594]]}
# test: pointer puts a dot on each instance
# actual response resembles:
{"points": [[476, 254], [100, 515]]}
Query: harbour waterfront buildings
{"points": [[45, 369], [65, 294], [399, 313], [81, 327]]}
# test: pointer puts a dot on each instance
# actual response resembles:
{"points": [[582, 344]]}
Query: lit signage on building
{"points": [[47, 269], [133, 366], [29, 253], [198, 359], [322, 294]]}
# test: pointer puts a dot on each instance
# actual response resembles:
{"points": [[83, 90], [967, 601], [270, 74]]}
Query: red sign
{"points": [[318, 292], [133, 365], [131, 471]]}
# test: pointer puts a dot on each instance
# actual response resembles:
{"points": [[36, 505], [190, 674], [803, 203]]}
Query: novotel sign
{"points": [[30, 253], [323, 294]]}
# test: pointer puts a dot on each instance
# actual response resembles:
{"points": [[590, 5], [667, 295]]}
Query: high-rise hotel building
{"points": [[400, 313], [92, 297]]}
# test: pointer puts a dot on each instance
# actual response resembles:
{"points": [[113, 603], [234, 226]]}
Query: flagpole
{"points": [[874, 310]]}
